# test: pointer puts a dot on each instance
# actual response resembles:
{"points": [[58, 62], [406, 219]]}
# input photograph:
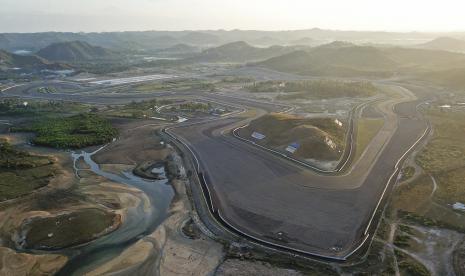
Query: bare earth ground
{"points": [[137, 143], [166, 251], [21, 264], [234, 267], [65, 193]]}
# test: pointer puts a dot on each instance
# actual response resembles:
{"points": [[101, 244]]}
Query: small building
{"points": [[293, 147], [258, 135]]}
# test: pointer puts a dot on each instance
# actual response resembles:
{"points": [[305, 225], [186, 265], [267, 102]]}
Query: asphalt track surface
{"points": [[281, 203], [274, 200]]}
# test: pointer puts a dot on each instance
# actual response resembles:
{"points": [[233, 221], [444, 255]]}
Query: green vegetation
{"points": [[137, 110], [378, 261], [31, 62], [414, 202], [9, 107], [366, 130], [191, 230], [444, 156], [417, 202], [21, 173], [75, 51], [348, 60], [46, 90], [319, 138], [77, 131], [238, 52], [195, 106], [402, 240], [408, 266], [69, 229], [314, 89], [450, 78], [232, 79], [407, 173], [177, 85], [145, 170], [418, 219], [406, 229]]}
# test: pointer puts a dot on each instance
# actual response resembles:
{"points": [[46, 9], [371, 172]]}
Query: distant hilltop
{"points": [[75, 51], [155, 40]]}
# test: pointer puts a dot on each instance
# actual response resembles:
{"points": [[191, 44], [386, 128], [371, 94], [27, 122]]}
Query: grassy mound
{"points": [[21, 173], [72, 132], [319, 138], [69, 229]]}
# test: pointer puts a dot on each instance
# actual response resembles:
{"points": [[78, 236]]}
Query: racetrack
{"points": [[281, 203], [274, 200]]}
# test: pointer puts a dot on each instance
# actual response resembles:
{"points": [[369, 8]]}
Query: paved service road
{"points": [[278, 202]]}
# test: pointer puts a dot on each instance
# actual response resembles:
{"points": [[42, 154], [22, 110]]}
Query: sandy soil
{"points": [[137, 143], [167, 251], [64, 193], [19, 264]]}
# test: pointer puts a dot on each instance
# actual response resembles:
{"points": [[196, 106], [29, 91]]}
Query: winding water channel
{"points": [[139, 222]]}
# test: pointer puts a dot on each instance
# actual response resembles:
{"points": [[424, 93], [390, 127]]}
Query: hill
{"points": [[146, 41], [265, 41], [446, 44], [239, 52], [200, 38], [75, 51], [452, 78], [304, 41], [340, 59], [179, 50], [348, 60], [10, 60], [318, 138]]}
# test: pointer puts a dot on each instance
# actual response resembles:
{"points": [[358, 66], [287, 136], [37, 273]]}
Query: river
{"points": [[138, 224]]}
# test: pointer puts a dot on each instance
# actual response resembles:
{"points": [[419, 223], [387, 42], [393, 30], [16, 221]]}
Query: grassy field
{"points": [[77, 131], [407, 173], [46, 90], [444, 156], [314, 89], [443, 160], [137, 110], [21, 173], [18, 107], [177, 85], [366, 130], [409, 267], [69, 229]]}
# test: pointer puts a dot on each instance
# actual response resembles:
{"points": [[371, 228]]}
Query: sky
{"points": [[138, 15]]}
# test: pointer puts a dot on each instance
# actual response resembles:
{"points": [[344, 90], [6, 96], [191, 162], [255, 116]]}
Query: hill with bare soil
{"points": [[317, 138]]}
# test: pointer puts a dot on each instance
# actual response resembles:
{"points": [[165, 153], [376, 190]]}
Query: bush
{"points": [[77, 131]]}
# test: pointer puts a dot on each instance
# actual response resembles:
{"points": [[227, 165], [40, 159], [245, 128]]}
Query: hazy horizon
{"points": [[271, 15]]}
